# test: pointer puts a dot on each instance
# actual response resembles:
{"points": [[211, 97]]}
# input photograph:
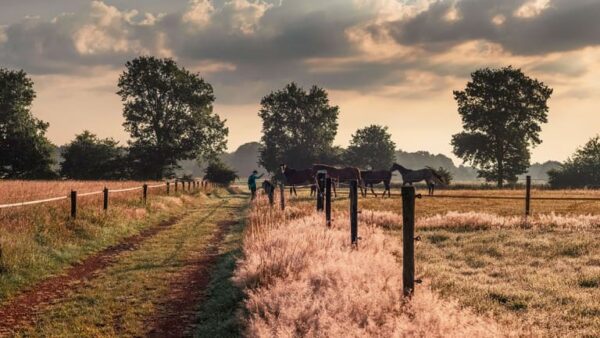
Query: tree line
{"points": [[168, 113]]}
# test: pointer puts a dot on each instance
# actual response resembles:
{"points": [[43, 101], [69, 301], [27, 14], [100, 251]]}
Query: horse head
{"points": [[283, 167], [398, 167]]}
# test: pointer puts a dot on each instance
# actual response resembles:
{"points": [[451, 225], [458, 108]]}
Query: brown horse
{"points": [[295, 177], [338, 174], [370, 177]]}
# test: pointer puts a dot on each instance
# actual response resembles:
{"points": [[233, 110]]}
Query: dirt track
{"points": [[23, 308]]}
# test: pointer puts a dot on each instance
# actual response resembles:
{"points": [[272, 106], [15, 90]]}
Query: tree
{"points": [[89, 158], [371, 147], [581, 170], [298, 127], [25, 152], [169, 114], [502, 111], [219, 172]]}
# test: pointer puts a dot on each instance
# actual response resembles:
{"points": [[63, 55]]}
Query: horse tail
{"points": [[439, 177]]}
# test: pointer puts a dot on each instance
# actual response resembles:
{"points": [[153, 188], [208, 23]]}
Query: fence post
{"points": [[176, 186], [528, 196], [145, 192], [408, 238], [105, 204], [354, 213], [73, 204], [189, 186], [282, 196], [320, 190], [168, 187], [328, 201]]}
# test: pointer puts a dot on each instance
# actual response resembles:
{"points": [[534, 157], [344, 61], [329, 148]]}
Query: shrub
{"points": [[218, 172]]}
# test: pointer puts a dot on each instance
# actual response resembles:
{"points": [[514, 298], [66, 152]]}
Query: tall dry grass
{"points": [[302, 279]]}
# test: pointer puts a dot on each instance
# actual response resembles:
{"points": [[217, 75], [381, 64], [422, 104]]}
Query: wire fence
{"points": [[105, 192]]}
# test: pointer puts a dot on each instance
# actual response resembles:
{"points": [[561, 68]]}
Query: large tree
{"points": [[502, 111], [582, 169], [88, 157], [25, 152], [169, 115], [371, 147], [298, 127]]}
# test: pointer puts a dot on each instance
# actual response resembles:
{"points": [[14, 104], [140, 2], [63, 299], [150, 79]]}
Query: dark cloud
{"points": [[565, 25]]}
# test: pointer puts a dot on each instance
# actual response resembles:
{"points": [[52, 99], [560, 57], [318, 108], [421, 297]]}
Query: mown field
{"points": [[537, 276]]}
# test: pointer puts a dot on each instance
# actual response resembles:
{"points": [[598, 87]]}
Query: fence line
{"points": [[53, 199]]}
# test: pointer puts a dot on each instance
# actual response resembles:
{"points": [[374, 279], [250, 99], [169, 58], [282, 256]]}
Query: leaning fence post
{"points": [[145, 192], [328, 201], [105, 204], [528, 196], [282, 196], [408, 238], [354, 213], [73, 204], [320, 190]]}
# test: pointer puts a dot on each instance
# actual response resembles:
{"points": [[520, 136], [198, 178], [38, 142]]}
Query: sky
{"points": [[387, 62]]}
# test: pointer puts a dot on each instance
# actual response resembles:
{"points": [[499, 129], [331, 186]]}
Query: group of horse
{"points": [[365, 178]]}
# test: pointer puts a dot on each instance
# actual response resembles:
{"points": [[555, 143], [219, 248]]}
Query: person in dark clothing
{"points": [[252, 182]]}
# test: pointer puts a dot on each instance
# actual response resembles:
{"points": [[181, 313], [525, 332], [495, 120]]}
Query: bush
{"points": [[218, 172], [581, 170]]}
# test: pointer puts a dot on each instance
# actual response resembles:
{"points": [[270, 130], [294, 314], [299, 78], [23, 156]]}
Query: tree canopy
{"points": [[502, 111], [581, 170], [25, 152], [298, 127], [169, 114], [371, 148], [88, 157]]}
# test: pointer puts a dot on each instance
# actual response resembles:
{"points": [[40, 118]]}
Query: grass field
{"points": [[538, 276]]}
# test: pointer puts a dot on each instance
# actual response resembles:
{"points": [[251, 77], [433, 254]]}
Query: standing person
{"points": [[252, 183]]}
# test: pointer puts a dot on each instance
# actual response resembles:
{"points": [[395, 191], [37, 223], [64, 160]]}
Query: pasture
{"points": [[537, 276]]}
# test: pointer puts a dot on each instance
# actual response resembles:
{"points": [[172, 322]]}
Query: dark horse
{"points": [[338, 174], [370, 177], [295, 177], [428, 175]]}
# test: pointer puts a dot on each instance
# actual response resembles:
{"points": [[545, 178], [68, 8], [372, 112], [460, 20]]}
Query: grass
{"points": [[41, 240], [218, 314], [538, 276], [304, 280], [127, 298]]}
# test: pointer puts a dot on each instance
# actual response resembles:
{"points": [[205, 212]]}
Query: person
{"points": [[252, 183]]}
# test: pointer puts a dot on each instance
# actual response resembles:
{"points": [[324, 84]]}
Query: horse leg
{"points": [[295, 192], [372, 190], [334, 190]]}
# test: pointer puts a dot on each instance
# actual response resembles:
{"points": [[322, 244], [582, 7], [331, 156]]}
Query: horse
{"points": [[294, 177], [370, 177], [338, 174], [428, 175]]}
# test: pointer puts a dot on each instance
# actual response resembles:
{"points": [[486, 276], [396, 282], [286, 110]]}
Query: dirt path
{"points": [[24, 307], [187, 288]]}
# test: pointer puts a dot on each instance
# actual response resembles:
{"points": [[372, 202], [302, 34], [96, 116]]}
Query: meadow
{"points": [[538, 276]]}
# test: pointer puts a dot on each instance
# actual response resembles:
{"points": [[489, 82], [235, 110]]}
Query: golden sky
{"points": [[385, 62]]}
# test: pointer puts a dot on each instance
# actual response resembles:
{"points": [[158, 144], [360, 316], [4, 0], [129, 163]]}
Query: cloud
{"points": [[521, 27], [246, 48]]}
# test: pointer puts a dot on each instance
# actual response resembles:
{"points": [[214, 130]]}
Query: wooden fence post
{"points": [[320, 190], [528, 196], [145, 192], [168, 187], [175, 186], [73, 204], [328, 201], [282, 196], [354, 213], [105, 204], [189, 186], [408, 240]]}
